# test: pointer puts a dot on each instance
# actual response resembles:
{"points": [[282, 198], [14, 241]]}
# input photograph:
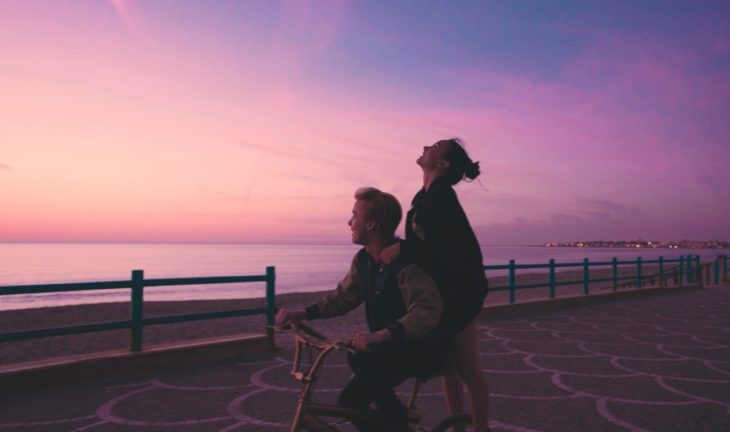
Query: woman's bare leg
{"points": [[466, 361], [453, 390]]}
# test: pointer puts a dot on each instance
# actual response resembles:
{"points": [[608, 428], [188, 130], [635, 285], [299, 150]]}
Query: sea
{"points": [[299, 268]]}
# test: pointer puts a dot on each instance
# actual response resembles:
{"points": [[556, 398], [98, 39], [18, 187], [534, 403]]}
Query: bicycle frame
{"points": [[307, 412]]}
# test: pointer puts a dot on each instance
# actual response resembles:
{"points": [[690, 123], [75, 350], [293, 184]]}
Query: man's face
{"points": [[359, 224]]}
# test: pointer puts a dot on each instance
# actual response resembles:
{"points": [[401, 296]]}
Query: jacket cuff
{"points": [[313, 312], [397, 332]]}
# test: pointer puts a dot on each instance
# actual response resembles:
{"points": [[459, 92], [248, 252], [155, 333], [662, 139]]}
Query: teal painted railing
{"points": [[717, 270], [685, 270], [137, 322]]}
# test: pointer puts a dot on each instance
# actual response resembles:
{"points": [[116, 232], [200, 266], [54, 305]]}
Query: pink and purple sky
{"points": [[255, 121]]}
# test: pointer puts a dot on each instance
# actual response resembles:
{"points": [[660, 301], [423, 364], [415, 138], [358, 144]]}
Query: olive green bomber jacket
{"points": [[399, 296]]}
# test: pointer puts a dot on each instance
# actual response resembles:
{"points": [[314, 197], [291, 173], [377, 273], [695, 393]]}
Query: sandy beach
{"points": [[60, 346]]}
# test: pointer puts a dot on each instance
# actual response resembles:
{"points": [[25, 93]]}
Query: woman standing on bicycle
{"points": [[440, 239]]}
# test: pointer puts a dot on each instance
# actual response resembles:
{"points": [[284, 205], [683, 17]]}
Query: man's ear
{"points": [[372, 225]]}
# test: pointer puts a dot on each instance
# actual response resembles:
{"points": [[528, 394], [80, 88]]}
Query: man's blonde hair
{"points": [[383, 208]]}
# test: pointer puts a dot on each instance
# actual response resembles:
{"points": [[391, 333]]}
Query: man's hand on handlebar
{"points": [[362, 341], [284, 316]]}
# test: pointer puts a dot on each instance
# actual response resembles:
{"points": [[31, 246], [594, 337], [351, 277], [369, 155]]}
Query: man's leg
{"points": [[358, 394], [374, 381], [395, 414]]}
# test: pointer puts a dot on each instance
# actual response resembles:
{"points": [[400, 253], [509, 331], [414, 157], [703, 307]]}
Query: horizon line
{"points": [[299, 243]]}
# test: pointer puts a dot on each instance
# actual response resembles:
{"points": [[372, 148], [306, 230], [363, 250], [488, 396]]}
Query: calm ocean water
{"points": [[299, 268]]}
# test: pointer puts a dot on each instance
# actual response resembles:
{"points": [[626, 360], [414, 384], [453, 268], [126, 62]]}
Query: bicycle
{"points": [[308, 413]]}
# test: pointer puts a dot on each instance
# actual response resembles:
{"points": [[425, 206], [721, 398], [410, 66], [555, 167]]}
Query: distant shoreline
{"points": [[707, 244], [640, 244], [622, 247]]}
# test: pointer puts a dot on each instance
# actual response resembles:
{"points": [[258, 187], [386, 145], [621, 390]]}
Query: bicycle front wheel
{"points": [[455, 420]]}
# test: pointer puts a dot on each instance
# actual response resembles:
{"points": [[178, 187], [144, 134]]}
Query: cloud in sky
{"points": [[251, 121], [596, 220], [609, 209], [716, 178], [129, 13], [4, 166]]}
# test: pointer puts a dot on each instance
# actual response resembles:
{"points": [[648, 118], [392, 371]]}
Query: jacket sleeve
{"points": [[348, 295], [423, 305]]}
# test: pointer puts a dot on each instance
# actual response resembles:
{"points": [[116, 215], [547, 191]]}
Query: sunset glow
{"points": [[255, 121]]}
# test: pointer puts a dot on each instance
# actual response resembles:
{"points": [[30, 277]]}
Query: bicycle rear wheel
{"points": [[455, 420]]}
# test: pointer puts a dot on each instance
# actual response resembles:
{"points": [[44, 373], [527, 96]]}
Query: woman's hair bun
{"points": [[472, 171], [460, 164]]}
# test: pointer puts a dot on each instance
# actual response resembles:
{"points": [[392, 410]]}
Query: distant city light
{"points": [[637, 244]]}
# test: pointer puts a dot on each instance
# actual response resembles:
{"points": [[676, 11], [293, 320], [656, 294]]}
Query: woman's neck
{"points": [[429, 177]]}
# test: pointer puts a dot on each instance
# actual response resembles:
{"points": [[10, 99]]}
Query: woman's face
{"points": [[433, 154]]}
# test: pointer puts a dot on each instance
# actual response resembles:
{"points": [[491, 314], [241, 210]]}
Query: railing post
{"points": [[681, 270], [512, 281], [698, 271], [690, 269], [586, 276], [661, 272], [552, 278], [717, 270], [638, 272], [137, 309], [270, 299], [724, 268], [614, 273]]}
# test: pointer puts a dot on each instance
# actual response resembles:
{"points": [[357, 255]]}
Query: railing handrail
{"points": [[136, 284], [688, 270], [104, 285], [576, 264]]}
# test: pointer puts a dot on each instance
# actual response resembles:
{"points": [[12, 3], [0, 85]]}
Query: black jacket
{"points": [[441, 241]]}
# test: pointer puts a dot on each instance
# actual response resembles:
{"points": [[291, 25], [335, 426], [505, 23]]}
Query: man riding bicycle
{"points": [[402, 308]]}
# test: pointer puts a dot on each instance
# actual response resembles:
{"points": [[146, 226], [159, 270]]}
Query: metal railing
{"points": [[717, 270], [683, 271], [137, 321]]}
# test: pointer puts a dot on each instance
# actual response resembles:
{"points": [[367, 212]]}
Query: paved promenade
{"points": [[654, 363]]}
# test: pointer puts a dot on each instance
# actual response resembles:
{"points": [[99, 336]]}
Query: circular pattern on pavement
{"points": [[654, 363]]}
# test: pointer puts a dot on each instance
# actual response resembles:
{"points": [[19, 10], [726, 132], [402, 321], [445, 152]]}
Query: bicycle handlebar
{"points": [[308, 335], [309, 331]]}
